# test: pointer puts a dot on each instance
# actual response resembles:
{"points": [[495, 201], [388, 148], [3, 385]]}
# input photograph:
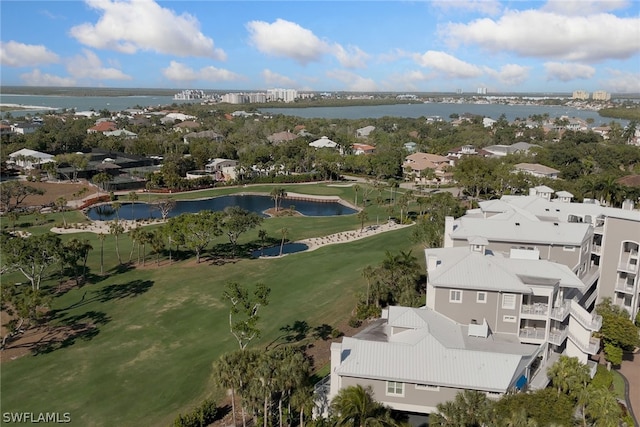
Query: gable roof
{"points": [[282, 136], [323, 142]]}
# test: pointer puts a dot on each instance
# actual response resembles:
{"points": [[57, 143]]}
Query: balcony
{"points": [[592, 347], [628, 267], [596, 249], [625, 285], [532, 334], [537, 309], [557, 336], [560, 313]]}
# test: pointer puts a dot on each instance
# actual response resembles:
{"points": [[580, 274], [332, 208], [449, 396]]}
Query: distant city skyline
{"points": [[359, 46]]}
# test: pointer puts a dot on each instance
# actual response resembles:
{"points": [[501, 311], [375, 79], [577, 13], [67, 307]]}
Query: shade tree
{"points": [[244, 307]]}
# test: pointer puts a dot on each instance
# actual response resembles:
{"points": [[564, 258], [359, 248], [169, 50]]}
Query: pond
{"points": [[287, 248], [253, 203]]}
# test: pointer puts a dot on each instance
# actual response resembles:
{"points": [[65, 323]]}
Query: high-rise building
{"points": [[601, 95], [580, 94]]}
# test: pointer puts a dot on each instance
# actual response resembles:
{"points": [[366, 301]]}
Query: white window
{"points": [[509, 301], [395, 388], [509, 319], [481, 297], [455, 295], [427, 387], [569, 248]]}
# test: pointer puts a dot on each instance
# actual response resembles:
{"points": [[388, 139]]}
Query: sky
{"points": [[361, 46]]}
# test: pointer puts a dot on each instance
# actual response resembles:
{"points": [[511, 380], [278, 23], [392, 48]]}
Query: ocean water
{"points": [[443, 110], [82, 103]]}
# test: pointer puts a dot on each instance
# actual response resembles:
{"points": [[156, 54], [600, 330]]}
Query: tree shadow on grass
{"points": [[79, 327], [111, 292], [299, 331]]}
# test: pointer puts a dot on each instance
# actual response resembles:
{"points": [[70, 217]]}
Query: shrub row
{"points": [[202, 416]]}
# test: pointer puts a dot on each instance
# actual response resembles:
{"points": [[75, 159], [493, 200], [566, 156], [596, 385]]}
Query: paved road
{"points": [[630, 369]]}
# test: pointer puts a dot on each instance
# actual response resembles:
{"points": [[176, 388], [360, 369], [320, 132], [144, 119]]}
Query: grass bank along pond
{"points": [[307, 206]]}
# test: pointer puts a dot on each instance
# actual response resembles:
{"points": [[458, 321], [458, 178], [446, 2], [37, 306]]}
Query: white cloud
{"points": [[509, 74], [287, 39], [14, 54], [487, 7], [567, 71], [89, 66], [622, 82], [37, 78], [447, 65], [131, 25], [549, 35], [351, 57], [177, 71], [275, 79], [584, 7], [353, 82]]}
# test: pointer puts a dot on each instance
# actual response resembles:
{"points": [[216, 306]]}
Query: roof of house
{"points": [[210, 134], [31, 153], [323, 142], [536, 168], [365, 131], [363, 147], [434, 350], [282, 136], [462, 268], [422, 161], [120, 132], [517, 225], [509, 149], [104, 127], [189, 124]]}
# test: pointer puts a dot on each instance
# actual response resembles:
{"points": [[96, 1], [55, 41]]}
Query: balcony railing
{"points": [[591, 347], [593, 322], [628, 267], [557, 336], [539, 309], [625, 286], [561, 312], [532, 334]]}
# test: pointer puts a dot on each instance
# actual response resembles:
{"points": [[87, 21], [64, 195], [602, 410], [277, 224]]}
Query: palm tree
{"points": [[368, 273], [356, 189], [262, 235], [355, 406], [469, 408], [116, 229], [61, 204], [362, 216], [568, 374], [101, 237], [133, 197], [520, 419], [603, 408], [277, 194], [284, 232], [225, 374]]}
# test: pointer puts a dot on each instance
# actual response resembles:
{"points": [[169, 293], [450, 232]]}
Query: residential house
{"points": [[323, 142], [30, 159], [359, 149], [103, 126], [24, 128], [279, 137], [186, 126], [410, 146], [537, 170], [465, 150], [425, 168], [365, 131], [225, 169], [121, 133], [501, 150], [205, 134]]}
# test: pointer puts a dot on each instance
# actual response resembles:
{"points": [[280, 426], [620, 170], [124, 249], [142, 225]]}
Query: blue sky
{"points": [[398, 46]]}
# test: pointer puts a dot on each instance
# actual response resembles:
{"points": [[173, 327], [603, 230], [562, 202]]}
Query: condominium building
{"points": [[580, 94], [513, 288], [601, 95]]}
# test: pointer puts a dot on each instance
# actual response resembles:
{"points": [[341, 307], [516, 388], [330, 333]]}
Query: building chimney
{"points": [[448, 231]]}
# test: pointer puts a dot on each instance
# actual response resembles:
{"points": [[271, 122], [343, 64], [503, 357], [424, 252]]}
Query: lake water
{"points": [[252, 203], [442, 110], [287, 248]]}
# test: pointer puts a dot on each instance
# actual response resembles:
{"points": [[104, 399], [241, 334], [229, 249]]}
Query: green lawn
{"points": [[160, 329]]}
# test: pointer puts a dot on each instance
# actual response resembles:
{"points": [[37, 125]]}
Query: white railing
{"points": [[560, 312], [532, 334], [593, 322], [539, 309], [591, 347], [625, 286], [628, 267], [557, 336]]}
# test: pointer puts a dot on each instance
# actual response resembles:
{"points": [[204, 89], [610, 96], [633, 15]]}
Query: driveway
{"points": [[630, 369]]}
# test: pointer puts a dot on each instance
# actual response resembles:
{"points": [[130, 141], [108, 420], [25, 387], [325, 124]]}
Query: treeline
{"points": [[626, 112]]}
